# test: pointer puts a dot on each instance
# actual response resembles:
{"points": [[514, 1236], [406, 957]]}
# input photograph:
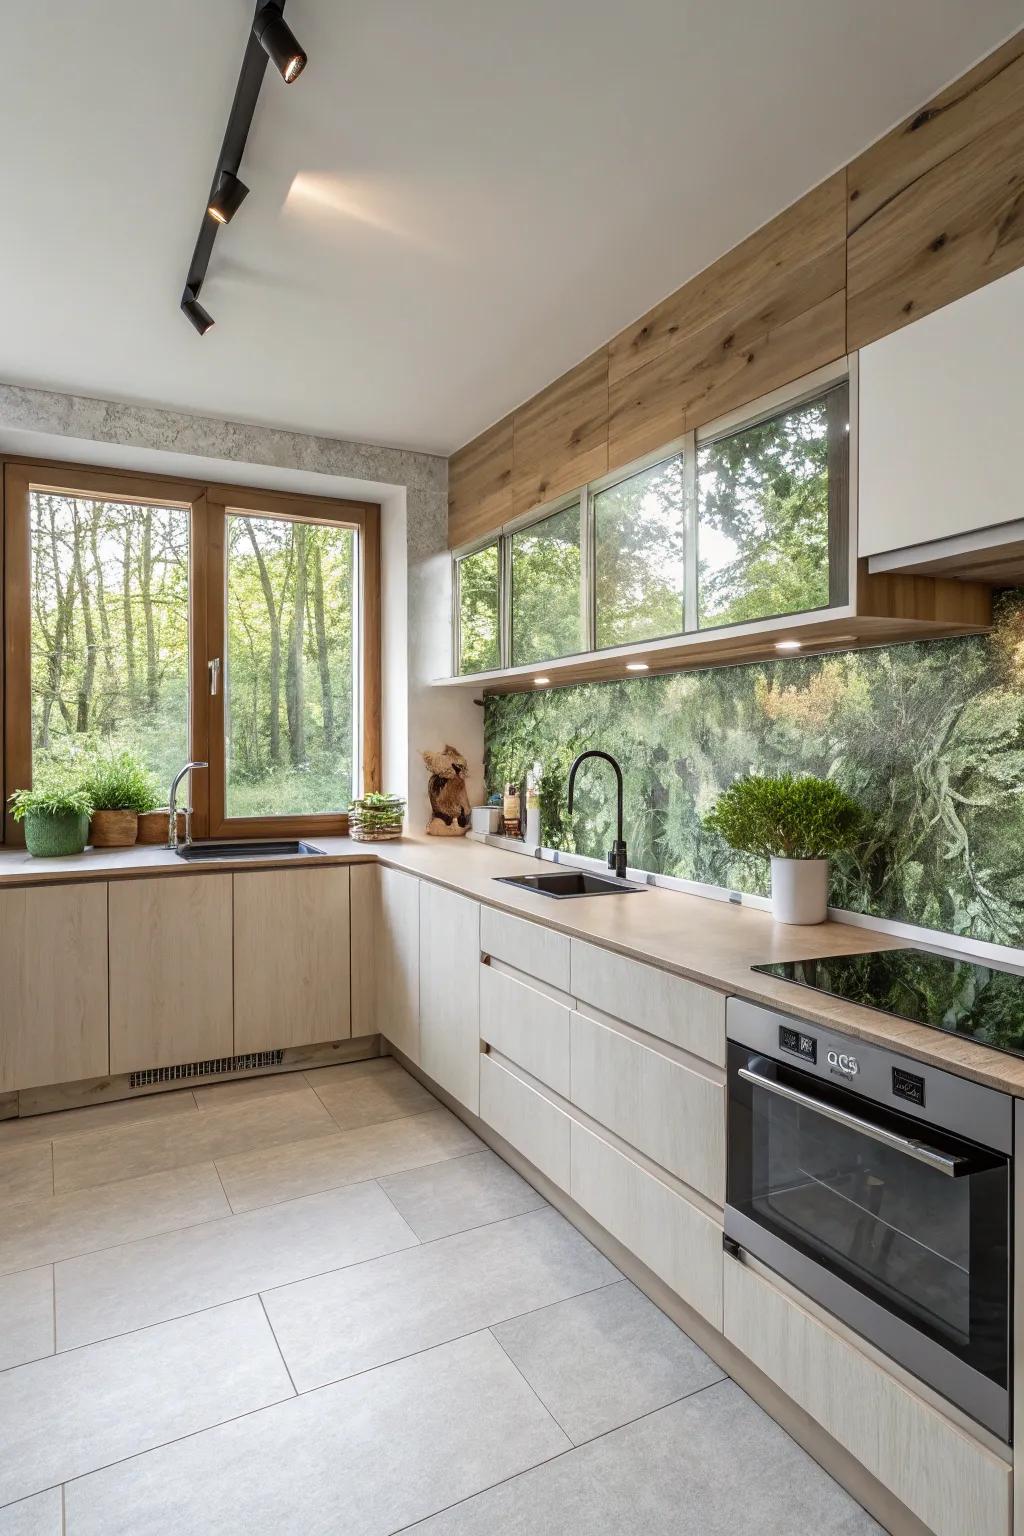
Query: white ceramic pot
{"points": [[799, 890]]}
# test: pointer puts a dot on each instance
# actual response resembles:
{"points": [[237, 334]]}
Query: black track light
{"points": [[228, 196], [191, 307], [278, 42]]}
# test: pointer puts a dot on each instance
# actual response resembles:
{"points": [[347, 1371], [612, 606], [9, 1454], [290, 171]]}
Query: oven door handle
{"points": [[942, 1162]]}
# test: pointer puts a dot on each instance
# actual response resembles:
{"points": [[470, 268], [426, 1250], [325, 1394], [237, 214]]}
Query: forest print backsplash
{"points": [[928, 736]]}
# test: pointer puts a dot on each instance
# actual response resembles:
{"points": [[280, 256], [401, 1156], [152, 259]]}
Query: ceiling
{"points": [[456, 202]]}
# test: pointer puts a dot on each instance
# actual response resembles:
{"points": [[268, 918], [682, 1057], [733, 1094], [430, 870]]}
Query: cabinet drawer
{"points": [[950, 1482], [529, 947], [680, 1244], [530, 1122], [674, 1009], [674, 1115], [526, 1026]]}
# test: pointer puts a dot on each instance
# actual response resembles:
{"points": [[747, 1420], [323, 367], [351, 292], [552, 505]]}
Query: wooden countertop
{"points": [[711, 942]]}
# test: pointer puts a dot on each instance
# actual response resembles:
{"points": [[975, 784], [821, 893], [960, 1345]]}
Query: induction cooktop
{"points": [[961, 997]]}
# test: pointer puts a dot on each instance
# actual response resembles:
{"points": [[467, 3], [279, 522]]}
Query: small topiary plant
{"points": [[120, 784], [786, 817]]}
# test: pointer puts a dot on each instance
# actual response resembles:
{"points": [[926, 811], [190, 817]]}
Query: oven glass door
{"points": [[916, 1220]]}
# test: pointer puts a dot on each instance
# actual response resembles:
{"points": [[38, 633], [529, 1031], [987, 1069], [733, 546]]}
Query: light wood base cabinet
{"points": [[450, 992], [679, 1243], [952, 1484], [291, 958], [170, 971], [527, 1026], [53, 985], [526, 1119], [682, 1012], [395, 958]]}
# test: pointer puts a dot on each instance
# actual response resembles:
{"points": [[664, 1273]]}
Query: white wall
{"points": [[412, 489]]}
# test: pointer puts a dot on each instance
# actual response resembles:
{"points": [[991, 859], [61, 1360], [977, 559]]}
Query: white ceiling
{"points": [[486, 191]]}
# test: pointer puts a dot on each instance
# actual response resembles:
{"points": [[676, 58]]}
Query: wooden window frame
{"points": [[208, 506]]}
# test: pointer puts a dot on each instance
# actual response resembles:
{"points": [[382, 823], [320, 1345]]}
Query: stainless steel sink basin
{"points": [[572, 882], [286, 848]]}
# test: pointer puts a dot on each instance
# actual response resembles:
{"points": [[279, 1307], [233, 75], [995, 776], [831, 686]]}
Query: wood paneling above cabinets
{"points": [[928, 214]]}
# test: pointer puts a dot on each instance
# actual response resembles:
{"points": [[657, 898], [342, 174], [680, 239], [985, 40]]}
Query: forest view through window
{"points": [[110, 633], [290, 667]]}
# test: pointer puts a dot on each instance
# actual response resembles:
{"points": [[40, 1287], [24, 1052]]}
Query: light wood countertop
{"points": [[711, 942]]}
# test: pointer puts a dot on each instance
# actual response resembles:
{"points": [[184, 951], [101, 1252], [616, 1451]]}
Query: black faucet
{"points": [[617, 856]]}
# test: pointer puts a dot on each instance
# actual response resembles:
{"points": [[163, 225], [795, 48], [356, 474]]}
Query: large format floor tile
{"points": [[602, 1359], [26, 1316], [85, 1409], [96, 1117], [357, 1318], [348, 1071], [263, 1177], [26, 1172], [369, 1099], [41, 1515], [101, 1157], [146, 1282], [242, 1090], [712, 1465], [458, 1194], [64, 1225], [362, 1458]]}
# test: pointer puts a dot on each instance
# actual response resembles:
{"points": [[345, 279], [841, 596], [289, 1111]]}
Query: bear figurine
{"points": [[449, 799]]}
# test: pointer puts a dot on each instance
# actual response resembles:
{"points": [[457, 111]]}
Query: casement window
{"points": [[741, 521], [180, 620]]}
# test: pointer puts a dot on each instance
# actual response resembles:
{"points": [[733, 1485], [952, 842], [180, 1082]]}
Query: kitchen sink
{"points": [[572, 882], [286, 848]]}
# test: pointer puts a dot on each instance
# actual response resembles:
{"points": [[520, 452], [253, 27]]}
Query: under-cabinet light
{"points": [[637, 666], [788, 645], [541, 682]]}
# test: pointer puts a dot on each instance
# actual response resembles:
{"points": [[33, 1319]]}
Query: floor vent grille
{"points": [[215, 1068]]}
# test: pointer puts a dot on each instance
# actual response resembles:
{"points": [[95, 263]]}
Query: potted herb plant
{"points": [[797, 823], [119, 791], [56, 819], [376, 818]]}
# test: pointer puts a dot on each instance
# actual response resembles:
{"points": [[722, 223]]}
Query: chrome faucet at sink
{"points": [[172, 820]]}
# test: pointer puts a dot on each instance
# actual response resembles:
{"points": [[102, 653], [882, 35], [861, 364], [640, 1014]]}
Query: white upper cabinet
{"points": [[939, 422]]}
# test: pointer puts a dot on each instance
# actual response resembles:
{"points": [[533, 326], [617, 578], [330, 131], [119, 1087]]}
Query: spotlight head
{"points": [[191, 307], [278, 42], [228, 196]]}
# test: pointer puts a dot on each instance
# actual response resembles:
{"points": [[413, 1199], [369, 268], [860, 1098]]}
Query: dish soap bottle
{"points": [[533, 805]]}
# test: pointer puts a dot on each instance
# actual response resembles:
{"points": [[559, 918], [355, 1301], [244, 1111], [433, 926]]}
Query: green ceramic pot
{"points": [[53, 837]]}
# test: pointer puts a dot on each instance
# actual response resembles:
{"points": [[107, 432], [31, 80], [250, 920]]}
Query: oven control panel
{"points": [[797, 1043], [908, 1085]]}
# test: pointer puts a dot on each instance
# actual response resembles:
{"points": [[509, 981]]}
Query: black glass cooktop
{"points": [[959, 996]]}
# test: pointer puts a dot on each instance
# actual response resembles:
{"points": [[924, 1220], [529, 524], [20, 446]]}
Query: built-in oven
{"points": [[881, 1188]]}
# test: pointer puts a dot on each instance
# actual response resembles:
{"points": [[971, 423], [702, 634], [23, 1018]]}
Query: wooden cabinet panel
{"points": [[396, 923], [680, 1244], [527, 1026], [53, 985], [526, 1119], [170, 971], [674, 1115], [365, 951], [561, 435], [679, 1011], [450, 992], [947, 1480], [529, 947], [291, 958], [480, 484]]}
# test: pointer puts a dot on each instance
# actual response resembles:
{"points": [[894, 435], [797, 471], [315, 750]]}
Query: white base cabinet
{"points": [[450, 992], [526, 1119], [396, 960], [950, 1482]]}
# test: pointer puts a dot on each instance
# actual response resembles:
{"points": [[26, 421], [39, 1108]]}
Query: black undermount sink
{"points": [[285, 848], [572, 882]]}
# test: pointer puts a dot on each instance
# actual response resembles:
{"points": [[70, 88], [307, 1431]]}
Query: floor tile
{"points": [[358, 1318], [370, 1099], [361, 1458], [72, 1413], [93, 1117], [348, 1071], [712, 1465], [599, 1360], [41, 1515], [147, 1282], [243, 1089], [264, 1176], [26, 1173], [101, 1157], [26, 1316], [460, 1193], [65, 1225]]}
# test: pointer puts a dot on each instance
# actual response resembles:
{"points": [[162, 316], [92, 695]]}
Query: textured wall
{"points": [[928, 736]]}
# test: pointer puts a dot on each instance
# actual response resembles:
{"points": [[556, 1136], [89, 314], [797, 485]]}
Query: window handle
{"points": [[213, 667]]}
